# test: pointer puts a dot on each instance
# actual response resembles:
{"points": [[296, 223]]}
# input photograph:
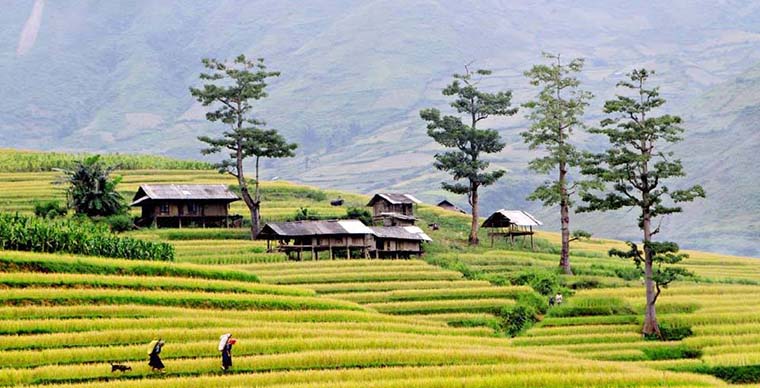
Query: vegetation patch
{"points": [[66, 264], [592, 306], [671, 352], [24, 233], [670, 332]]}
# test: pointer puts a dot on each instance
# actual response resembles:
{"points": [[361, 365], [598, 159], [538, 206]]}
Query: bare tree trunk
{"points": [[253, 207], [651, 327], [256, 210], [475, 221], [564, 210]]}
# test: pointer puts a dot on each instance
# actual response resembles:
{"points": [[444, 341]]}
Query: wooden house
{"points": [[445, 204], [180, 205], [342, 238], [347, 238], [399, 241], [510, 224], [390, 209]]}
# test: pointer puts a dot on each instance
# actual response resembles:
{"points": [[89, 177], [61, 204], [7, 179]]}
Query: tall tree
{"points": [[92, 190], [633, 172], [465, 162], [556, 111], [231, 89]]}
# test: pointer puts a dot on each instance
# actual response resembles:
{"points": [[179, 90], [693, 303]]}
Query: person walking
{"points": [[225, 346], [155, 362]]}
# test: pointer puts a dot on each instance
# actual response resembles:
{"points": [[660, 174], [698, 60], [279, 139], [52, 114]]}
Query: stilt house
{"points": [[346, 238], [391, 209], [399, 241], [177, 205], [510, 224], [342, 238]]}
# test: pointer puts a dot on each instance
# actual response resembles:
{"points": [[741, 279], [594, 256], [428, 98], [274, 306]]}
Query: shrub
{"points": [[671, 352], [744, 374], [304, 214], [544, 282], [592, 307], [49, 209], [584, 284], [38, 235], [671, 333], [363, 215], [517, 319], [120, 223]]}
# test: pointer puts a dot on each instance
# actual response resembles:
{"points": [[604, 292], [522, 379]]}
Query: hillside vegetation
{"points": [[440, 321], [355, 74]]}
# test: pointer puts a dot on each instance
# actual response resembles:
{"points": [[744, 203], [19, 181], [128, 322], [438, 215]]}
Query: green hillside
{"points": [[439, 321], [356, 73]]}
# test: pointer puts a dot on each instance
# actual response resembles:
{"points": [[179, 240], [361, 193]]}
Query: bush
{"points": [[671, 333], [363, 215], [744, 374], [37, 235], [304, 214], [49, 209], [671, 353], [120, 223], [544, 282], [517, 319], [592, 307], [585, 284]]}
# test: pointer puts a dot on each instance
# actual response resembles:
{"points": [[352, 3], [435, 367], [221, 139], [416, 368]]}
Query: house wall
{"points": [[182, 208], [383, 206]]}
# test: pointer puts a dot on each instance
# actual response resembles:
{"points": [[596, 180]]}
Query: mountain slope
{"points": [[105, 76]]}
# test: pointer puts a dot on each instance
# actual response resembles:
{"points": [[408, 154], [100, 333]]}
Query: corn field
{"points": [[23, 233]]}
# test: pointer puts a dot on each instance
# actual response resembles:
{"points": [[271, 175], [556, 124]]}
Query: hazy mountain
{"points": [[94, 75]]}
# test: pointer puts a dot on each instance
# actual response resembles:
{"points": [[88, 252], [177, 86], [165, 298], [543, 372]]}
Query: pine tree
{"points": [[632, 173], [231, 89], [468, 142], [554, 114]]}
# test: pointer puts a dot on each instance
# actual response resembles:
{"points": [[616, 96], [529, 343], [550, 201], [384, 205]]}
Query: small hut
{"points": [[391, 209], [339, 237], [445, 204], [179, 205], [510, 224], [399, 241]]}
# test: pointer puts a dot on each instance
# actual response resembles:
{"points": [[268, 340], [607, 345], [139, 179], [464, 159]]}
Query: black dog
{"points": [[120, 368]]}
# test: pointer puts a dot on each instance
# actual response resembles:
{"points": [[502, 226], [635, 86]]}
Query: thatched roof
{"points": [[182, 192], [393, 198], [504, 218]]}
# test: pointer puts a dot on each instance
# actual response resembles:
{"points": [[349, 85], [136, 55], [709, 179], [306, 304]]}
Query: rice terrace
{"points": [[428, 194]]}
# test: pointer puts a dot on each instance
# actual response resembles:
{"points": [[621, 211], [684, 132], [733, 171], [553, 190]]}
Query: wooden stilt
{"points": [[348, 248]]}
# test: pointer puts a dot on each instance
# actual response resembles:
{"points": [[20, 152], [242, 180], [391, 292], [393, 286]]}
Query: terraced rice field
{"points": [[357, 323], [399, 287], [64, 328]]}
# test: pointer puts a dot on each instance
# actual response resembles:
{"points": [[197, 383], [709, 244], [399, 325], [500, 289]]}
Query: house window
{"points": [[164, 208], [192, 208]]}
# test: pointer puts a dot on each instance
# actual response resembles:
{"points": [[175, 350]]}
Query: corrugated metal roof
{"points": [[316, 228], [184, 192], [515, 217], [397, 216], [394, 198], [355, 227], [401, 233], [416, 230], [446, 204]]}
